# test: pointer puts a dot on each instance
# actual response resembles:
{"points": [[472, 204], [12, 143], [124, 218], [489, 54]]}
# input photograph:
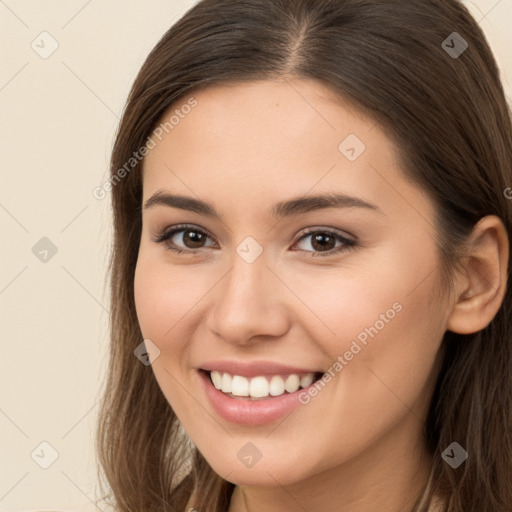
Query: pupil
{"points": [[318, 239], [194, 237]]}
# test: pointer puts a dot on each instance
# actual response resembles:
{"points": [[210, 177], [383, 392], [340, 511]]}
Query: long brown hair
{"points": [[449, 118]]}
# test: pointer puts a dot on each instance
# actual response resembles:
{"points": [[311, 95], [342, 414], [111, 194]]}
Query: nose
{"points": [[249, 304]]}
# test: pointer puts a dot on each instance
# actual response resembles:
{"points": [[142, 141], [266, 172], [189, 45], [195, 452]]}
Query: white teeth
{"points": [[226, 383], [292, 383], [239, 386], [217, 379], [306, 380], [259, 387], [276, 386]]}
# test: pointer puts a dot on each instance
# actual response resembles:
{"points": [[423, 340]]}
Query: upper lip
{"points": [[254, 368]]}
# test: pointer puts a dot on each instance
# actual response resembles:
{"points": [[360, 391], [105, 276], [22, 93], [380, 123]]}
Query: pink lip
{"points": [[244, 411], [254, 369]]}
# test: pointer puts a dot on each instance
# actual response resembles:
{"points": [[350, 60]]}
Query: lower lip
{"points": [[250, 412]]}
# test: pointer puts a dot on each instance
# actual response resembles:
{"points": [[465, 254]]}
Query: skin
{"points": [[357, 445]]}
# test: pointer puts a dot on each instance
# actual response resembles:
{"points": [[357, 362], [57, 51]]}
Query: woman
{"points": [[310, 273]]}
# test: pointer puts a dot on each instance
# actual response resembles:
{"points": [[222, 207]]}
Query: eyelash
{"points": [[169, 233]]}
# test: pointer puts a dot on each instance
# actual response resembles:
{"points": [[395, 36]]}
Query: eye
{"points": [[192, 237], [323, 241]]}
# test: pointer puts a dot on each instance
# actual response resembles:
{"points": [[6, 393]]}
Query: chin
{"points": [[261, 474]]}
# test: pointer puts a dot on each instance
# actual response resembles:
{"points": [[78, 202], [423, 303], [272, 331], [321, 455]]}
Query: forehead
{"points": [[288, 109], [273, 139], [261, 123]]}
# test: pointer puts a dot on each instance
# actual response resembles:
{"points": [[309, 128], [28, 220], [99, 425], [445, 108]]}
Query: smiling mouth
{"points": [[260, 387]]}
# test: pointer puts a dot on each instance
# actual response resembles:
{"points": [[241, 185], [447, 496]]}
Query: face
{"points": [[272, 283]]}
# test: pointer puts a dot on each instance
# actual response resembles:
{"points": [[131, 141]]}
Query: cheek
{"points": [[386, 306], [388, 359], [387, 332], [163, 296], [386, 384], [389, 327], [150, 298], [341, 305]]}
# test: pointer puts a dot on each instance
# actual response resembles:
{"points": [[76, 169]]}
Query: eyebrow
{"points": [[280, 210]]}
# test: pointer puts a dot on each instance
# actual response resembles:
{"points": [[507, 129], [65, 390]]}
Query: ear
{"points": [[481, 287]]}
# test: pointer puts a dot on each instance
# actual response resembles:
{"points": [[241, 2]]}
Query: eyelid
{"points": [[316, 229]]}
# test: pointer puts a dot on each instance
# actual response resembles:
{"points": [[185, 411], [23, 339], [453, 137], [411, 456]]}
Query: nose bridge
{"points": [[248, 301]]}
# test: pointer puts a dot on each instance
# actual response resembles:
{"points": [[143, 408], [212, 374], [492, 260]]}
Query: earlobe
{"points": [[480, 293]]}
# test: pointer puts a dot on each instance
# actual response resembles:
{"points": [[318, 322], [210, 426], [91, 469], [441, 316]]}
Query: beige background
{"points": [[59, 116]]}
